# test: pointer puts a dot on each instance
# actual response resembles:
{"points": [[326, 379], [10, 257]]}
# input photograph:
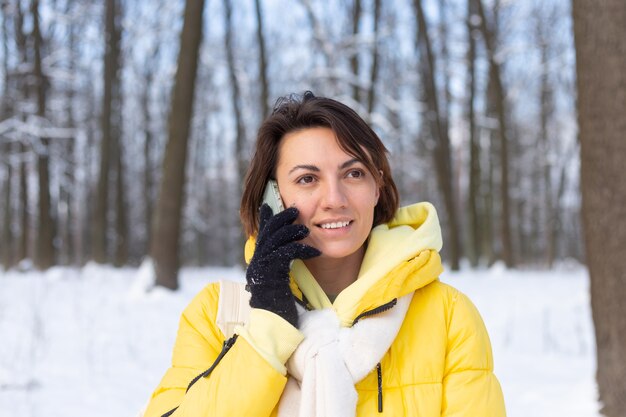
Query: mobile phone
{"points": [[271, 196]]}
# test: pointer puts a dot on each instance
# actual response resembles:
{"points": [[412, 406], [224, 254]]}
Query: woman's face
{"points": [[334, 192]]}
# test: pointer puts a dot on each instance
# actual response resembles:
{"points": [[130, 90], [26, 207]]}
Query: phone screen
{"points": [[272, 198]]}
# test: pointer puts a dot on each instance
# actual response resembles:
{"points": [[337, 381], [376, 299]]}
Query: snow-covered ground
{"points": [[87, 342]]}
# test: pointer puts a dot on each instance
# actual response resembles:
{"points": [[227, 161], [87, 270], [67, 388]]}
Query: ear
{"points": [[380, 172]]}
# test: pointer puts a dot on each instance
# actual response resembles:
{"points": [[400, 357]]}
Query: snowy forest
{"points": [[474, 100], [126, 128]]}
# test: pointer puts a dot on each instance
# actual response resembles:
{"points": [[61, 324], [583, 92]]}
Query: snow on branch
{"points": [[33, 127]]}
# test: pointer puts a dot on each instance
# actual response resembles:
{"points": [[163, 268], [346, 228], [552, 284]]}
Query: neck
{"points": [[335, 275]]}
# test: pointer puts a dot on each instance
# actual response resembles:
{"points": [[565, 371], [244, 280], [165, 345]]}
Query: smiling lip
{"points": [[334, 225]]}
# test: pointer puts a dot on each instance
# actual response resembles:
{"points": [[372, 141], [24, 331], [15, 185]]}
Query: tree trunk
{"points": [[67, 191], [23, 209], [600, 40], [121, 210], [240, 138], [371, 93], [555, 231], [198, 253], [45, 253], [354, 57], [265, 89], [120, 254], [22, 248], [148, 185], [546, 18], [446, 97], [235, 92], [326, 52], [502, 111], [5, 111], [439, 132], [488, 199], [111, 65], [474, 229], [71, 223], [84, 222], [546, 106], [7, 235], [164, 248]]}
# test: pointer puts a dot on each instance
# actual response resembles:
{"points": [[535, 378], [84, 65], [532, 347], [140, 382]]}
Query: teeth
{"points": [[335, 225]]}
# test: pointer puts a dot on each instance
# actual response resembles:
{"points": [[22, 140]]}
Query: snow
{"points": [[542, 336], [89, 342]]}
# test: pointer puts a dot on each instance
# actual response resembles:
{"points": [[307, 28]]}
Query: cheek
{"points": [[305, 206], [375, 198], [368, 206], [370, 201], [305, 213]]}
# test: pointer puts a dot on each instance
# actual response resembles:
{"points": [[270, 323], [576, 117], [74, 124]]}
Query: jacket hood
{"points": [[401, 256]]}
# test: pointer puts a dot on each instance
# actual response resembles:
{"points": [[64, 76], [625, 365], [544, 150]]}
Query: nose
{"points": [[333, 195]]}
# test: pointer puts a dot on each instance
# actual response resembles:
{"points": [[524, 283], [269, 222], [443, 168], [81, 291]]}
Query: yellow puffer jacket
{"points": [[440, 363]]}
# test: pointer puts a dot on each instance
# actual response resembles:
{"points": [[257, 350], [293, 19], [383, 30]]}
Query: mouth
{"points": [[334, 225]]}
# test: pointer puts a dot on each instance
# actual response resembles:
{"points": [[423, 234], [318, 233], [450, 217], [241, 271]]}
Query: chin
{"points": [[338, 251]]}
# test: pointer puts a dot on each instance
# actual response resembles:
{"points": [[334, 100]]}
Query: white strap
{"points": [[233, 307]]}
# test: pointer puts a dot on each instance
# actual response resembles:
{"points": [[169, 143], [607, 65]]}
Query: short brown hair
{"points": [[354, 136]]}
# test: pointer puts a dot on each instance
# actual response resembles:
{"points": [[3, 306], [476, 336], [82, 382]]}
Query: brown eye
{"points": [[306, 179], [356, 173]]}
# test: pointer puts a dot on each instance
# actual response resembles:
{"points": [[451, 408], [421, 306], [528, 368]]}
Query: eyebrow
{"points": [[316, 169]]}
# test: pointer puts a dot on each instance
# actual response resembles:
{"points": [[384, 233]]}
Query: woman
{"points": [[347, 317]]}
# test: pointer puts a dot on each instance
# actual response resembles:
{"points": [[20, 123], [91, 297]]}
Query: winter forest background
{"points": [[84, 129], [126, 128]]}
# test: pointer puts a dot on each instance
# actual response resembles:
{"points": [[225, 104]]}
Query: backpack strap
{"points": [[233, 307]]}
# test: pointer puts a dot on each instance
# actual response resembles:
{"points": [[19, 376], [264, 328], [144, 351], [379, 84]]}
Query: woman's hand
{"points": [[268, 273]]}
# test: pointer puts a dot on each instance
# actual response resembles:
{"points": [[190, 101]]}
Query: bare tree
{"points": [[354, 56], [265, 89], [473, 196], [23, 206], [546, 105], [121, 213], [353, 51], [120, 253], [22, 247], [164, 248], [45, 253], [6, 251], [553, 152], [241, 159], [439, 131], [148, 180], [371, 93], [7, 232], [7, 235], [67, 224], [240, 135], [495, 75], [600, 39], [326, 50], [110, 105], [444, 53]]}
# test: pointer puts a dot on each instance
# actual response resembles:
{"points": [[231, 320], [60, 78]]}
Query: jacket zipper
{"points": [[225, 348], [377, 310], [379, 369]]}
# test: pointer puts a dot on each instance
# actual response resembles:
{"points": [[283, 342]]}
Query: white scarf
{"points": [[332, 359]]}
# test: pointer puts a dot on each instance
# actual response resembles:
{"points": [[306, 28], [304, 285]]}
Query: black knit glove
{"points": [[268, 272]]}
